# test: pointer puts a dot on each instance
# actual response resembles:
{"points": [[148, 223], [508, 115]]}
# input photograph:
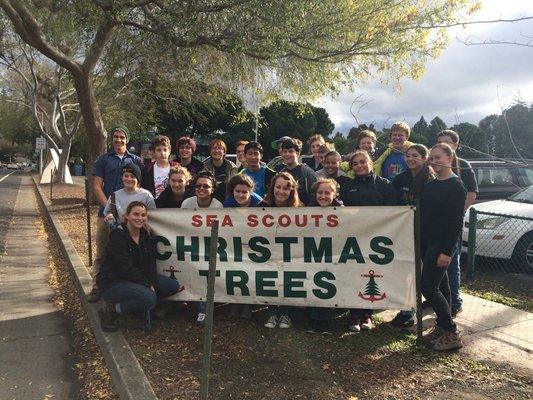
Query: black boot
{"points": [[108, 318]]}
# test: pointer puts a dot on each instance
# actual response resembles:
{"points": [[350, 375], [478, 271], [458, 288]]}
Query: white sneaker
{"points": [[366, 324], [272, 322], [284, 322], [200, 320]]}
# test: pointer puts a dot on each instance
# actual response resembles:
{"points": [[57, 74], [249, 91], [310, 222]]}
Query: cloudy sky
{"points": [[464, 84]]}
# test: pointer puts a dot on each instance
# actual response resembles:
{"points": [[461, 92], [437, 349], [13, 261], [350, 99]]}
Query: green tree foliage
{"points": [[509, 135], [303, 47], [420, 132], [473, 140], [17, 130], [435, 126], [298, 120]]}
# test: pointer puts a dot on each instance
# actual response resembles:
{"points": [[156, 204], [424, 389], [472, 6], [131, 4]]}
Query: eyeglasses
{"points": [[202, 186]]}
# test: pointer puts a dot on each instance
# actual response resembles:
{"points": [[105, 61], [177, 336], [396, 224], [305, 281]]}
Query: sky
{"points": [[465, 84]]}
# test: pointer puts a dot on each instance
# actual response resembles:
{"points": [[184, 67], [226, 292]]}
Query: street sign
{"points": [[40, 143]]}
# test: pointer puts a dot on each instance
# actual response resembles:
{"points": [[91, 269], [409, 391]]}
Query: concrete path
{"points": [[491, 332], [34, 340]]}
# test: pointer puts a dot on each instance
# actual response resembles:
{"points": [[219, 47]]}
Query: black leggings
{"points": [[436, 289]]}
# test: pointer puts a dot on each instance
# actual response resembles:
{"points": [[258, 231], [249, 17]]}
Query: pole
{"points": [[256, 124], [88, 212], [52, 173], [40, 163], [471, 255], [418, 271], [208, 334]]}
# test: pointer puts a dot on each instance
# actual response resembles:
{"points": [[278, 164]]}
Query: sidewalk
{"points": [[34, 346]]}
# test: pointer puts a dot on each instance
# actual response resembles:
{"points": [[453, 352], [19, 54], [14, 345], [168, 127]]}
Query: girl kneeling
{"points": [[127, 279]]}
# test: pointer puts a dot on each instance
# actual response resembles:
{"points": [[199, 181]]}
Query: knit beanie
{"points": [[134, 169], [122, 128]]}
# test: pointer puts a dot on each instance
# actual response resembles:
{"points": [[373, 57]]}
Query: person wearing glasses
{"points": [[186, 148], [204, 190]]}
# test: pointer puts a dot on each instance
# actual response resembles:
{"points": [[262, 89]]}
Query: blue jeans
{"points": [[319, 313], [436, 289], [454, 276], [133, 297], [278, 311]]}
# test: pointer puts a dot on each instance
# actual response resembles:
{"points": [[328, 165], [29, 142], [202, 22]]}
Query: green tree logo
{"points": [[372, 292]]}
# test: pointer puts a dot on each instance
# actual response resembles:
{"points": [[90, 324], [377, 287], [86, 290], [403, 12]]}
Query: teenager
{"points": [[241, 154], [127, 278], [365, 189], [441, 219], [283, 192], [155, 175], [332, 163], [204, 189], [303, 174], [314, 162], [177, 189], [118, 201], [326, 192], [260, 174], [391, 161], [240, 194], [408, 186], [186, 148], [221, 168], [366, 140], [106, 173], [463, 170]]}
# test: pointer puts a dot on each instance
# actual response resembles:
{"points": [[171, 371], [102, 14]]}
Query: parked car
{"points": [[506, 233], [500, 179], [12, 166]]}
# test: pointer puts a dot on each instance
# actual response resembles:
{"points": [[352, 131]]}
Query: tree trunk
{"points": [[92, 118], [63, 160]]}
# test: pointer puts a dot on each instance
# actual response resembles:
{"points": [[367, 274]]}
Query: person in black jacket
{"points": [[177, 189], [365, 189], [409, 185], [441, 219], [127, 279]]}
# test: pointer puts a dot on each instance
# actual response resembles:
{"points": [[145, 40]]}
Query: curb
{"points": [[128, 378]]}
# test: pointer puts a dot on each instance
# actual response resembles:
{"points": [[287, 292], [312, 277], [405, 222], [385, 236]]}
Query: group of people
{"points": [[402, 173]]}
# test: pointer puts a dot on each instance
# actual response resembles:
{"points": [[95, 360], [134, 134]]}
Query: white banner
{"points": [[348, 257]]}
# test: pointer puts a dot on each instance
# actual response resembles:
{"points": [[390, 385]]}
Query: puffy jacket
{"points": [[127, 260], [370, 190]]}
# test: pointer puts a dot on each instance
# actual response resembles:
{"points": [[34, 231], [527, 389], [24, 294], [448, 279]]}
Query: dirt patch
{"points": [[252, 362]]}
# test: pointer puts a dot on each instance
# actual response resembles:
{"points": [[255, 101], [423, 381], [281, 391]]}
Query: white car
{"points": [[505, 229]]}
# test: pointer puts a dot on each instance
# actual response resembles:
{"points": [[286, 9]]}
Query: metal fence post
{"points": [[471, 255], [88, 212], [52, 173], [418, 276], [208, 334]]}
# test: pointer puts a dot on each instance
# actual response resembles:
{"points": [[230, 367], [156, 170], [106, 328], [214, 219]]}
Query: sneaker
{"points": [[246, 311], [448, 341], [108, 318], [272, 322], [403, 320], [94, 295], [354, 325], [426, 305], [322, 327], [200, 320], [433, 334], [457, 311], [285, 322], [366, 324]]}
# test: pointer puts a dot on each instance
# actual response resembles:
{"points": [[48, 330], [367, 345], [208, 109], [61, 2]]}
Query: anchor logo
{"points": [[372, 292], [172, 271]]}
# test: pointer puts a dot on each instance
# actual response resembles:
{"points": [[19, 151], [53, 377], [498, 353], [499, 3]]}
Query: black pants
{"points": [[436, 289]]}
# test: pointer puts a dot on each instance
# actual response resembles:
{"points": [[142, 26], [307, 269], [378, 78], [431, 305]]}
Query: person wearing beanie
{"points": [[107, 178], [118, 202]]}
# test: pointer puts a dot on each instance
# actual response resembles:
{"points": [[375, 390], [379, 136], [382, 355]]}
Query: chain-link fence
{"points": [[498, 243]]}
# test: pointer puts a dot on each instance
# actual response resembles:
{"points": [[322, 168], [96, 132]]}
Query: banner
{"points": [[348, 257]]}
